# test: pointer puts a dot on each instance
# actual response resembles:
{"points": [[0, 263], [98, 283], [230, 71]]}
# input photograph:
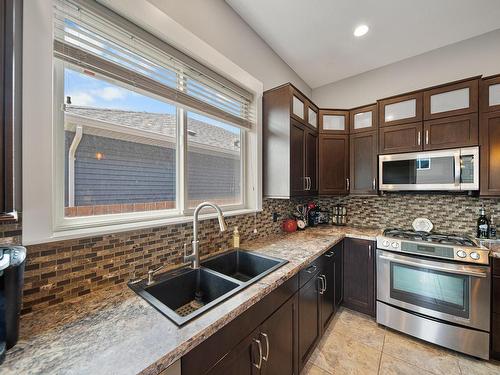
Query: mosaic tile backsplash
{"points": [[58, 271]]}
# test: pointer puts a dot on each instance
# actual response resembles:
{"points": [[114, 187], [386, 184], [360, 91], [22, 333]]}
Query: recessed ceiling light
{"points": [[360, 30]]}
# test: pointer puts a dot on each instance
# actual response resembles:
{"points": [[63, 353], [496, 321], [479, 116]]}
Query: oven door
{"points": [[457, 293]]}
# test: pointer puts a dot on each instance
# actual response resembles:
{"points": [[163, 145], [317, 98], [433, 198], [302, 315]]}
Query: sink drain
{"points": [[187, 309]]}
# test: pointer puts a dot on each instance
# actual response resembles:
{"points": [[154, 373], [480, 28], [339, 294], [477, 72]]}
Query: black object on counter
{"points": [[483, 225], [12, 262]]}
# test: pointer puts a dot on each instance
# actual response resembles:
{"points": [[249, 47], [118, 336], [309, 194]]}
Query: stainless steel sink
{"points": [[184, 294]]}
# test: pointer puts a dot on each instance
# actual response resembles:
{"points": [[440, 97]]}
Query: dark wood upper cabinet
{"points": [[359, 272], [333, 121], [400, 138], [312, 113], [451, 100], [363, 119], [400, 110], [449, 132], [363, 163], [10, 106], [489, 94], [333, 164], [290, 144], [489, 135]]}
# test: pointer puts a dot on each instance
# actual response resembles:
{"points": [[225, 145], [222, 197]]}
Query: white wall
{"points": [[475, 56], [219, 25]]}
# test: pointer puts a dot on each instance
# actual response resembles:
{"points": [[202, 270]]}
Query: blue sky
{"points": [[86, 90]]}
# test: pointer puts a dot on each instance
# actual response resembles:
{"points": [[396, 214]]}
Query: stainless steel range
{"points": [[435, 287]]}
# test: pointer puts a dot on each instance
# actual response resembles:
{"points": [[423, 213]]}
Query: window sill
{"points": [[128, 227]]}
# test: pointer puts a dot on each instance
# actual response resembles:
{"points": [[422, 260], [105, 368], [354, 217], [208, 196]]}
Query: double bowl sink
{"points": [[184, 294]]}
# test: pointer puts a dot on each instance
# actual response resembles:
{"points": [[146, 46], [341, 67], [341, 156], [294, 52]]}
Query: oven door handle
{"points": [[459, 271]]}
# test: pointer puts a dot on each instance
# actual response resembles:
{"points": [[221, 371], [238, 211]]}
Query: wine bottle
{"points": [[483, 224]]}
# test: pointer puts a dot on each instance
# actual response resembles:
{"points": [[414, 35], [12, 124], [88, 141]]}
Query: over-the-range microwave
{"points": [[446, 170]]}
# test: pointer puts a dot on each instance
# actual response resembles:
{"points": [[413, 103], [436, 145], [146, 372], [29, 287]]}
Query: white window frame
{"points": [[43, 192]]}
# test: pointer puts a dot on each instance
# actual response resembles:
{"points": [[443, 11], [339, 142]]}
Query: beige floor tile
{"points": [[393, 366], [472, 366], [361, 328], [341, 355], [312, 369], [426, 356]]}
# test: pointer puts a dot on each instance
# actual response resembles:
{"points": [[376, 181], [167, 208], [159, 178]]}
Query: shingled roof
{"points": [[161, 124]]}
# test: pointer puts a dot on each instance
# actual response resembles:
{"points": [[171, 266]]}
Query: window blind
{"points": [[93, 37]]}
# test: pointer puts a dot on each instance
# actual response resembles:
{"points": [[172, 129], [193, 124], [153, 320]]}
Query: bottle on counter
{"points": [[493, 228], [483, 224]]}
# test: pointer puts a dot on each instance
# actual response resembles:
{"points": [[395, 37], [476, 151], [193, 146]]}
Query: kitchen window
{"points": [[141, 132]]}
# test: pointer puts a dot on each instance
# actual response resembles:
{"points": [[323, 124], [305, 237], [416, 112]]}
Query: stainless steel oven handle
{"points": [[398, 259], [458, 170]]}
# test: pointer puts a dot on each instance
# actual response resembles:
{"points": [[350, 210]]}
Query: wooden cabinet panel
{"points": [[311, 162], [489, 134], [363, 119], [400, 138], [333, 121], [359, 281], [495, 295], [489, 94], [338, 260], [278, 336], [297, 159], [333, 164], [450, 100], [495, 336], [328, 296], [309, 315], [401, 110], [450, 132], [363, 163], [240, 360]]}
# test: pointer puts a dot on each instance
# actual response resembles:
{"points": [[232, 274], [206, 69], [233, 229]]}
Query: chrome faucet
{"points": [[194, 257]]}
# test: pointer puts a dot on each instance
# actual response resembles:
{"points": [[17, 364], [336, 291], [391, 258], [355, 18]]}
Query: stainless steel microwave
{"points": [[447, 170]]}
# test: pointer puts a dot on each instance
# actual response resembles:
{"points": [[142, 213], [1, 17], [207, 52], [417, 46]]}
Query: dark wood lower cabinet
{"points": [[495, 309], [338, 264], [309, 318], [359, 275]]}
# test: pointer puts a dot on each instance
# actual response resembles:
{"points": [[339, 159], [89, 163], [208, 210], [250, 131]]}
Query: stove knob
{"points": [[475, 256], [385, 243], [461, 254], [395, 245]]}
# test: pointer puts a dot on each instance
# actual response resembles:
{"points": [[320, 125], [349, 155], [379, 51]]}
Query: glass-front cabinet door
{"points": [[490, 94], [401, 110], [450, 100], [298, 108], [333, 121], [364, 119], [312, 115]]}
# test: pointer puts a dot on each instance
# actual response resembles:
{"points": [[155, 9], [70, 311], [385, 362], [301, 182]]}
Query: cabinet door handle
{"points": [[427, 137], [305, 183], [259, 345], [419, 138], [308, 183], [323, 284], [326, 285], [374, 184], [369, 251], [348, 183], [266, 357], [329, 254], [312, 269]]}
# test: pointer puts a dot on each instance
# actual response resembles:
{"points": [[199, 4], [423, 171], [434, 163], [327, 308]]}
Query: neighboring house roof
{"points": [[150, 125]]}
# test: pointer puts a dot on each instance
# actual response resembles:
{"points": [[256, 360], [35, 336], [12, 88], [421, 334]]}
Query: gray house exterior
{"points": [[125, 157]]}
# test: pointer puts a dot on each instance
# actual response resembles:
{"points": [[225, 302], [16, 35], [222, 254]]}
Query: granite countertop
{"points": [[114, 331]]}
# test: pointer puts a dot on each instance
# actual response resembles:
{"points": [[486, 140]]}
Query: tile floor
{"points": [[355, 344]]}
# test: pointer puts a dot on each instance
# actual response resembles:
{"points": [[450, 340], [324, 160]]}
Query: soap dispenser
{"points": [[236, 238]]}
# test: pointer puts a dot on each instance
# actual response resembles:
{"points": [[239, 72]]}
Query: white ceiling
{"points": [[315, 37]]}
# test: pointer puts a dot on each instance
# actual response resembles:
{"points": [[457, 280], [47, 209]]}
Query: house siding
{"points": [[131, 172]]}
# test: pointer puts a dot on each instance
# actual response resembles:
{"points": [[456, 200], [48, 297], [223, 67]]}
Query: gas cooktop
{"points": [[445, 239], [435, 245]]}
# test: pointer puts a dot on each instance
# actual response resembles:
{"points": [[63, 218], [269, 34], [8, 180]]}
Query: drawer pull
{"points": [[259, 345]]}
